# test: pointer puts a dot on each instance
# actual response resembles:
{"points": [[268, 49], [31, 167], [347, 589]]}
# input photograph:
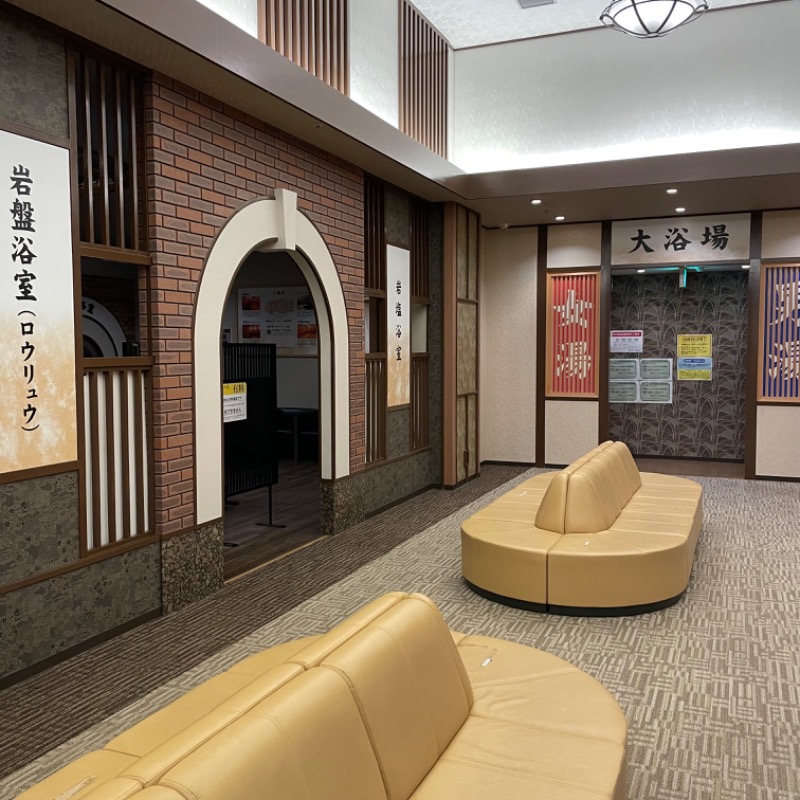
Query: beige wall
{"points": [[777, 426], [508, 345], [574, 245], [781, 235], [570, 429]]}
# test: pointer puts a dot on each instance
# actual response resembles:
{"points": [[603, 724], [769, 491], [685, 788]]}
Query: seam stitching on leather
{"points": [[524, 678], [367, 726], [529, 726], [506, 771]]}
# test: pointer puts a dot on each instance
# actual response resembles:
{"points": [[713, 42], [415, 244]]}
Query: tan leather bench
{"points": [[596, 538], [389, 705]]}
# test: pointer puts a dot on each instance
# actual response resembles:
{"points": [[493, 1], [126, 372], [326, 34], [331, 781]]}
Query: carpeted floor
{"points": [[710, 686]]}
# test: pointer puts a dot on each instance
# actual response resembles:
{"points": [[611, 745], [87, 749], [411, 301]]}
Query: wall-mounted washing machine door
{"points": [[103, 336]]}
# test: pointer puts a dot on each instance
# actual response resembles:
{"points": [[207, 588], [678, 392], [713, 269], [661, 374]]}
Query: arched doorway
{"points": [[269, 226]]}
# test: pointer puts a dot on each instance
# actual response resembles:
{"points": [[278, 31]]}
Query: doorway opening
{"points": [[272, 509], [681, 410]]}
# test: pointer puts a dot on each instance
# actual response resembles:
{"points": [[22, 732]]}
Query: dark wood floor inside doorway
{"points": [[691, 466], [295, 504]]}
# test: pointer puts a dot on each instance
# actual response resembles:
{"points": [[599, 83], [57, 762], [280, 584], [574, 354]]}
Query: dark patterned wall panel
{"points": [[42, 620], [39, 528], [33, 91], [706, 418]]}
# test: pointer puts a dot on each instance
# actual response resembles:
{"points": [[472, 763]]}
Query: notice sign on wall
{"points": [[640, 380], [37, 371], [234, 401], [398, 320], [281, 316], [694, 369], [626, 341], [694, 345]]}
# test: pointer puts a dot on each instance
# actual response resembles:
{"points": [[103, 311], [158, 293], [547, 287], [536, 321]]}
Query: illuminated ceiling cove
{"points": [[470, 23]]}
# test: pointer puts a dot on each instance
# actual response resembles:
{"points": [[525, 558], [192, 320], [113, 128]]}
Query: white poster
{"points": [[234, 401], [398, 319], [626, 341], [284, 317], [37, 313], [681, 240]]}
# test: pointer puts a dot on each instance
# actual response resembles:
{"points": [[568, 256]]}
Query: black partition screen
{"points": [[251, 455]]}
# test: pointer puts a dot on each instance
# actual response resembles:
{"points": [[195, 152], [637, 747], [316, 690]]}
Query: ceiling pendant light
{"points": [[647, 19]]}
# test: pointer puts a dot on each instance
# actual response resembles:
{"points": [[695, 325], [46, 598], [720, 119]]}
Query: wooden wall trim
{"points": [[450, 346], [541, 337], [753, 339], [102, 554], [605, 329]]}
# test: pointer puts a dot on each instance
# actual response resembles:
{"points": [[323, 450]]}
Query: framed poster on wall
{"points": [[779, 334], [573, 334], [281, 316]]}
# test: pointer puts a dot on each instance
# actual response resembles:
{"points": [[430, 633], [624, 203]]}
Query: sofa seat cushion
{"points": [[507, 558], [618, 570], [518, 684], [489, 758]]}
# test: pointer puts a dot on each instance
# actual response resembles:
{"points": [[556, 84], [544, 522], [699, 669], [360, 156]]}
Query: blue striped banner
{"points": [[780, 355]]}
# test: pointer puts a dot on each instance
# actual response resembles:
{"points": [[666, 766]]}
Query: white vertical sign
{"points": [[37, 369], [398, 319]]}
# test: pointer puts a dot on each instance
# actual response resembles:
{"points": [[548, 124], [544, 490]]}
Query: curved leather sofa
{"points": [[597, 538], [388, 705]]}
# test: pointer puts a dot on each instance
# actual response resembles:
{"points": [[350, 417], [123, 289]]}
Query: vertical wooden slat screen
{"points": [[376, 407], [314, 35], [374, 239], [419, 401], [375, 309], [420, 269], [110, 151], [118, 485], [423, 80]]}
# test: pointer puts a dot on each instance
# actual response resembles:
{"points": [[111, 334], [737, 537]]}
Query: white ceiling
{"points": [[470, 23]]}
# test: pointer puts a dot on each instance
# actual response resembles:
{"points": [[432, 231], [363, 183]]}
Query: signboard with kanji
{"points": [[573, 331], [779, 346], [398, 320], [681, 240], [37, 329]]}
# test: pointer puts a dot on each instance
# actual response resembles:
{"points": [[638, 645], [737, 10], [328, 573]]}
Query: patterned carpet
{"points": [[710, 686]]}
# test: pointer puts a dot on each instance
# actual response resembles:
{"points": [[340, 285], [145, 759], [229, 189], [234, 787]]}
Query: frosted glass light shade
{"points": [[647, 19]]}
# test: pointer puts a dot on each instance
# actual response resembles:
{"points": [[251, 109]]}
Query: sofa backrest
{"points": [[314, 653], [306, 741], [589, 494], [411, 687]]}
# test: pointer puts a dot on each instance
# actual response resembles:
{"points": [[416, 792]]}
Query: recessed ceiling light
{"points": [[536, 202], [680, 209], [560, 219], [745, 266], [640, 270], [672, 191]]}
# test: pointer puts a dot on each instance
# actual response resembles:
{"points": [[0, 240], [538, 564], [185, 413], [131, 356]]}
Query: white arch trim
{"points": [[268, 226]]}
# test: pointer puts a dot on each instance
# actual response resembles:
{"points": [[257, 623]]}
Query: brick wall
{"points": [[204, 161]]}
